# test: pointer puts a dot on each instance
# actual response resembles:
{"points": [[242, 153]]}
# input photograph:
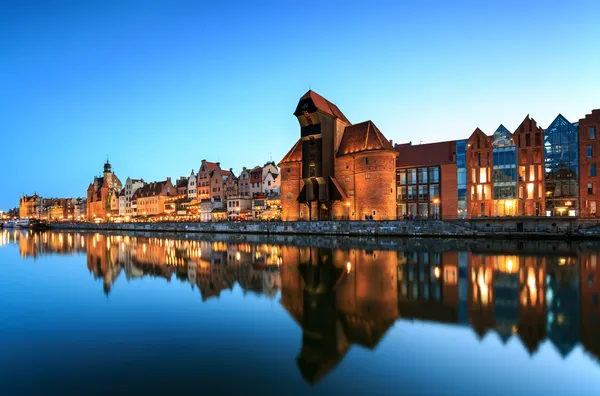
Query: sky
{"points": [[157, 86]]}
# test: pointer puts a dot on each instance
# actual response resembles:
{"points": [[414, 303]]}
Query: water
{"points": [[200, 314]]}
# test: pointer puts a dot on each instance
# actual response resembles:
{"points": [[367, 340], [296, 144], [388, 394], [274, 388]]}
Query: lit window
{"points": [[483, 175]]}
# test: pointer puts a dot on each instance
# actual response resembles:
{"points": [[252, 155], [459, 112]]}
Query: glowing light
{"points": [[437, 272], [509, 265], [562, 261], [348, 267]]}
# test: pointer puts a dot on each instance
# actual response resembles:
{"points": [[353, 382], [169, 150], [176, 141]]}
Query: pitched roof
{"points": [[426, 154], [210, 166], [182, 182], [363, 137], [294, 155], [324, 105], [528, 125], [150, 189]]}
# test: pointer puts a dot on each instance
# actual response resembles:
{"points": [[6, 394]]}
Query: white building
{"points": [[192, 191], [244, 183], [131, 186]]}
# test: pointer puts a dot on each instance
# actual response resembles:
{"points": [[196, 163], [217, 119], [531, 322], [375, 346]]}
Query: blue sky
{"points": [[161, 85]]}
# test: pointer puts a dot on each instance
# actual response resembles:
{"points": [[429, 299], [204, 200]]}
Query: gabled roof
{"points": [[528, 125], [150, 189], [294, 155], [363, 137], [426, 154], [210, 166], [561, 121], [182, 182], [321, 104]]}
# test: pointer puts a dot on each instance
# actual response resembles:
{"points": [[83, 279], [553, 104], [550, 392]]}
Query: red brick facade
{"points": [[589, 153]]}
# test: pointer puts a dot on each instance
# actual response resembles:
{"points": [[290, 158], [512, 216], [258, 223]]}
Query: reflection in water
{"points": [[353, 294]]}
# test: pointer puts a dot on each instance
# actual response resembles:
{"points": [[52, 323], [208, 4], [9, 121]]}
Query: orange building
{"points": [[30, 206], [347, 171], [100, 194], [479, 171], [529, 138], [589, 152], [151, 197]]}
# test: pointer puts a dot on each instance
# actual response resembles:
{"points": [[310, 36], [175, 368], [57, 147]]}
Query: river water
{"points": [[107, 314]]}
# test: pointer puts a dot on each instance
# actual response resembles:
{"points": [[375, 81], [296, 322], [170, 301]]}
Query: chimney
{"points": [[392, 142], [219, 164]]}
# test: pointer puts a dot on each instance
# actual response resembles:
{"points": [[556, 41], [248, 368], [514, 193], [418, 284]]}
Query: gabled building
{"points": [[271, 183], [231, 185], [100, 194], [256, 175], [131, 186], [480, 200], [529, 138], [30, 206], [347, 171], [192, 192], [244, 183]]}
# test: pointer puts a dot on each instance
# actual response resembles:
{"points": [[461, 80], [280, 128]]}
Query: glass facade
{"points": [[418, 192], [461, 177], [561, 167], [504, 176]]}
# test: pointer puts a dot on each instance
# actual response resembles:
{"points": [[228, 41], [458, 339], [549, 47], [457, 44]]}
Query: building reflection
{"points": [[532, 291]]}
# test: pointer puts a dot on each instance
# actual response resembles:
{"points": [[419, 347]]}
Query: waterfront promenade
{"points": [[543, 228]]}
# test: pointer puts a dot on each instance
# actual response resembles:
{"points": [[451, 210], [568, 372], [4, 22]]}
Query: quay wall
{"points": [[544, 228]]}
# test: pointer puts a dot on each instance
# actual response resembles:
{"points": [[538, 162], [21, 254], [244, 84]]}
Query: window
{"points": [[483, 175], [366, 161], [422, 175], [478, 159], [590, 188], [434, 175], [434, 191], [593, 207], [592, 169], [592, 133], [401, 177], [411, 176], [590, 151], [367, 175]]}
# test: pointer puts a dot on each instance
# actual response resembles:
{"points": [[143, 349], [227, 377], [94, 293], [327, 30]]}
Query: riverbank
{"points": [[517, 228]]}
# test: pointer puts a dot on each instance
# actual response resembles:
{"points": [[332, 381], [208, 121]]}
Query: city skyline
{"points": [[161, 88]]}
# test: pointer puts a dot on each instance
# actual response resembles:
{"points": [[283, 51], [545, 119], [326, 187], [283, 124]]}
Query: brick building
{"points": [[347, 171], [479, 169], [30, 206], [100, 194], [589, 149], [151, 197], [426, 179]]}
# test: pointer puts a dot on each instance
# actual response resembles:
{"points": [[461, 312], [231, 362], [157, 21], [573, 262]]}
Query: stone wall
{"points": [[488, 228]]}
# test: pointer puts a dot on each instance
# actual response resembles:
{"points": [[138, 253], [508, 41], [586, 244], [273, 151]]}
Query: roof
{"points": [[294, 155], [528, 125], [182, 182], [150, 189], [363, 137], [321, 104], [210, 166], [426, 154]]}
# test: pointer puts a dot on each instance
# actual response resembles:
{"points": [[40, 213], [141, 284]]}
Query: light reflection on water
{"points": [[341, 293]]}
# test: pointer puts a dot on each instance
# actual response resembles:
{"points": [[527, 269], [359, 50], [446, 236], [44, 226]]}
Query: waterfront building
{"points": [[61, 209], [79, 211], [131, 186], [271, 183], [30, 206], [347, 171], [426, 180], [461, 178], [561, 168], [589, 149], [204, 179], [150, 198], [192, 192], [100, 194], [244, 183], [239, 207], [256, 177], [479, 184], [230, 184], [181, 185], [291, 185], [530, 156]]}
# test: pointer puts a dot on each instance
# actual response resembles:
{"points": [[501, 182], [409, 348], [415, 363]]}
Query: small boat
{"points": [[22, 223], [37, 225], [9, 224]]}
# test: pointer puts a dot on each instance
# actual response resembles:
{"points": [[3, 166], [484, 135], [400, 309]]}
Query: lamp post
{"points": [[348, 206], [436, 202]]}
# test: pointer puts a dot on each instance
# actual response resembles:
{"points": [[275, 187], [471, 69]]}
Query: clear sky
{"points": [[161, 85]]}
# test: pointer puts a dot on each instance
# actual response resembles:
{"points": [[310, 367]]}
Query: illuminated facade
{"points": [[347, 171], [100, 195], [589, 152], [561, 168]]}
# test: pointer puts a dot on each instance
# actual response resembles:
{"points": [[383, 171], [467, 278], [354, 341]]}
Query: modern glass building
{"points": [[504, 175], [461, 177], [561, 168]]}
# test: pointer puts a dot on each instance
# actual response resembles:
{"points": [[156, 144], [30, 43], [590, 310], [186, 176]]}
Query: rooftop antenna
{"points": [[271, 156]]}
